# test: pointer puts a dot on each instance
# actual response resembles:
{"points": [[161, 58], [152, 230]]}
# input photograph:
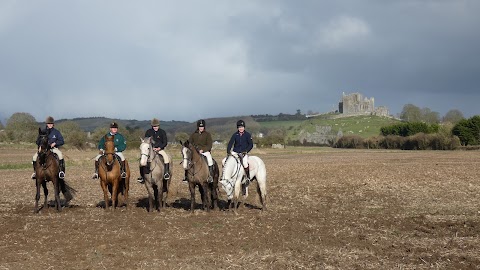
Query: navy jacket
{"points": [[54, 136], [241, 143]]}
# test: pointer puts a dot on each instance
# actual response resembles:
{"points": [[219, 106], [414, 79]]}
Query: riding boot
{"points": [[34, 175], [141, 179], [210, 177], [61, 163], [122, 165], [166, 176], [185, 178], [95, 175]]}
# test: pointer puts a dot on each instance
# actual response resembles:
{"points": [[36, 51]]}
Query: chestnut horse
{"points": [[196, 165], [157, 186], [47, 169], [109, 172]]}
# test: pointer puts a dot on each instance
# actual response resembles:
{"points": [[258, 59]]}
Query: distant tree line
{"points": [[279, 117]]}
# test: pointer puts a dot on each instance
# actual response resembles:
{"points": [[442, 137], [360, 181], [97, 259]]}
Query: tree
{"points": [[468, 131], [429, 116], [453, 116], [22, 127], [72, 134], [181, 136], [411, 113]]}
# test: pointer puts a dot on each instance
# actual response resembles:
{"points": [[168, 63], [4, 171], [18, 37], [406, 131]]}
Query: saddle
{"points": [[146, 169], [51, 153]]}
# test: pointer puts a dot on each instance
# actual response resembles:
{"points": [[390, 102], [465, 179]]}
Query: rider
{"points": [[55, 140], [202, 140], [120, 146], [159, 142], [242, 144]]}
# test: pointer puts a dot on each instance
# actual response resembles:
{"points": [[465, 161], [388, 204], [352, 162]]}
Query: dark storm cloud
{"points": [[119, 59]]}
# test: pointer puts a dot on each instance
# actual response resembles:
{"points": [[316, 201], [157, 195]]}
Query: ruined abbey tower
{"points": [[356, 104]]}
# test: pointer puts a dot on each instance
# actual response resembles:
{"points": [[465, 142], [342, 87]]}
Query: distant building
{"points": [[356, 104]]}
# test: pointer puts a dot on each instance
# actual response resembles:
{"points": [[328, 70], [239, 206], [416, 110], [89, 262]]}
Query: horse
{"points": [[233, 179], [197, 170], [47, 169], [157, 186], [109, 172]]}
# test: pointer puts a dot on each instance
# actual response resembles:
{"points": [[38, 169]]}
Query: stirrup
{"points": [[34, 176], [61, 175], [141, 180], [95, 176], [166, 176], [123, 175], [210, 179]]}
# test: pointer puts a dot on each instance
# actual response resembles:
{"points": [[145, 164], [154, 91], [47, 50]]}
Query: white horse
{"points": [[233, 178], [157, 186]]}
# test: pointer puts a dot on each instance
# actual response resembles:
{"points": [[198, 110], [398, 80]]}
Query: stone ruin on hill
{"points": [[356, 104]]}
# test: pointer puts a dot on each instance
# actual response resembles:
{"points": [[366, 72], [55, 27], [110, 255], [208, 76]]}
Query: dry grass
{"points": [[327, 209]]}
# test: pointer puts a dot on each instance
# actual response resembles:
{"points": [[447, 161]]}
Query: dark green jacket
{"points": [[119, 141], [202, 141]]}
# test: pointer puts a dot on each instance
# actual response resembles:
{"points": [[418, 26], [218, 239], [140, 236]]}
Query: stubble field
{"points": [[327, 209]]}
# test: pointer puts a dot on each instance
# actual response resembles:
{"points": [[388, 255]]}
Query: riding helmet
{"points": [[155, 122], [240, 123], [201, 123], [114, 125], [49, 120]]}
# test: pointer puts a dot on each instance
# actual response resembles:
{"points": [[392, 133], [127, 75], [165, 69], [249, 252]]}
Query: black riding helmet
{"points": [[240, 123], [201, 123]]}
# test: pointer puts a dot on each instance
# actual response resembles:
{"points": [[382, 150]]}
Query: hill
{"points": [[89, 124], [316, 130]]}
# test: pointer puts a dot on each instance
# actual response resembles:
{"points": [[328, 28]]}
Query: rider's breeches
{"points": [[54, 150], [120, 154], [209, 158], [166, 159], [244, 159]]}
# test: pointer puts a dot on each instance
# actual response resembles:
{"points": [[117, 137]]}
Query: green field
{"points": [[364, 126]]}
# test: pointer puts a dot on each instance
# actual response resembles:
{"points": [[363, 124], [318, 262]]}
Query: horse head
{"points": [[146, 151], [110, 149], [44, 147], [187, 154]]}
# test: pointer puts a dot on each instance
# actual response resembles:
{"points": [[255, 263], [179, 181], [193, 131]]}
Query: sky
{"points": [[186, 60]]}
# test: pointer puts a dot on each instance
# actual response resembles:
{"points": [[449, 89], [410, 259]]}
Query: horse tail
{"points": [[68, 191]]}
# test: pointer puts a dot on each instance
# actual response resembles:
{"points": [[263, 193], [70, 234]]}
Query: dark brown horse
{"points": [[196, 165], [109, 171], [47, 169]]}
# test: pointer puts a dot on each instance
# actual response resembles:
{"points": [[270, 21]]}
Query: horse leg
{"points": [[165, 192], [207, 200], [126, 185], [105, 194], [125, 192], [262, 193], [45, 194], [56, 187], [160, 200], [192, 196], [151, 195], [115, 195], [37, 197], [236, 194], [213, 196]]}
